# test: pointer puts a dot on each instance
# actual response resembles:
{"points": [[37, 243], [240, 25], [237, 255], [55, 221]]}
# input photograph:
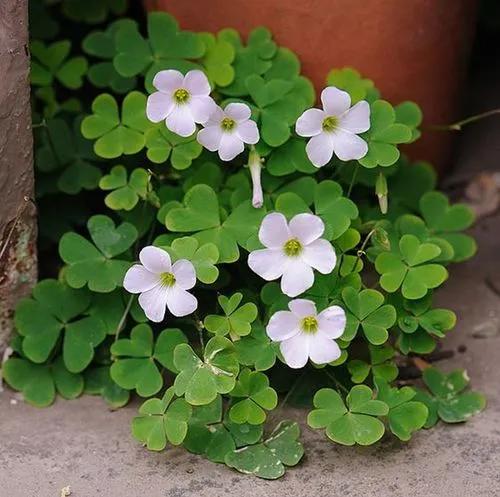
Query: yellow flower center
{"points": [[330, 123], [227, 124], [181, 96], [309, 324], [293, 247], [167, 279]]}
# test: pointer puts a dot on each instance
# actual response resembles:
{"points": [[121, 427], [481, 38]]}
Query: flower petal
{"points": [[168, 81], [230, 146], [297, 278], [310, 122], [180, 121], [274, 232], [201, 108], [348, 146], [295, 350], [185, 274], [332, 322], [320, 255], [282, 325], [138, 279], [210, 137], [306, 227], [159, 106], [357, 118], [179, 302], [197, 83], [335, 102], [323, 350], [154, 303], [216, 117], [267, 263], [302, 307], [248, 132], [155, 259], [238, 111], [319, 149]]}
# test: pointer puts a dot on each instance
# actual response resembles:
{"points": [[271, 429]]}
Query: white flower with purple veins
{"points": [[292, 251], [335, 129], [181, 101], [162, 284], [304, 334], [228, 130]]}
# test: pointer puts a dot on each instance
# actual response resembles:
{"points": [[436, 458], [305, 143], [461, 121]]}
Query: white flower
{"points": [[335, 128], [180, 100], [293, 250], [227, 130], [162, 284], [304, 334]]}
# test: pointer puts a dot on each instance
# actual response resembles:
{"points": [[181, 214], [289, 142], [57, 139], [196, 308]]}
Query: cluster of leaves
{"points": [[110, 182]]}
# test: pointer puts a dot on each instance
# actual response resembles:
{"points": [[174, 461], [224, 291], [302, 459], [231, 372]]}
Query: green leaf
{"points": [[117, 132], [269, 458], [166, 47], [405, 414], [237, 320], [126, 191], [256, 397], [52, 62], [453, 404], [349, 80], [367, 309], [381, 365], [356, 423], [98, 381], [162, 420], [162, 144], [39, 382], [289, 158], [92, 264], [256, 349], [200, 381], [93, 11], [218, 58], [409, 269]]}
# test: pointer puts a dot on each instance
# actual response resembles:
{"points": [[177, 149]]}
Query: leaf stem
{"points": [[121, 323], [354, 174], [337, 382], [457, 126]]}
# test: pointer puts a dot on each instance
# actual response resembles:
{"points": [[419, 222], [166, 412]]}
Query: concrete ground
{"points": [[82, 444]]}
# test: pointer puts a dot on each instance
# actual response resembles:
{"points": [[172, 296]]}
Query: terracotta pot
{"points": [[412, 49]]}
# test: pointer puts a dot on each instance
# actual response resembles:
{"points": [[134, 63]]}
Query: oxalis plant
{"points": [[228, 238]]}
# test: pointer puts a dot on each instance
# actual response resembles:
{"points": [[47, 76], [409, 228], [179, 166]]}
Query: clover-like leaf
{"points": [[409, 269], [93, 264], [409, 114], [136, 358], [201, 380], [406, 415], [162, 420], [162, 144], [449, 401], [127, 191], [66, 152], [356, 423], [269, 458], [200, 215], [256, 396], [98, 381], [256, 349], [250, 59], [237, 319], [101, 44], [218, 58], [54, 309], [349, 80], [93, 11], [383, 136], [40, 382], [52, 62], [166, 47], [288, 158], [381, 365], [367, 309], [445, 221], [116, 132]]}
